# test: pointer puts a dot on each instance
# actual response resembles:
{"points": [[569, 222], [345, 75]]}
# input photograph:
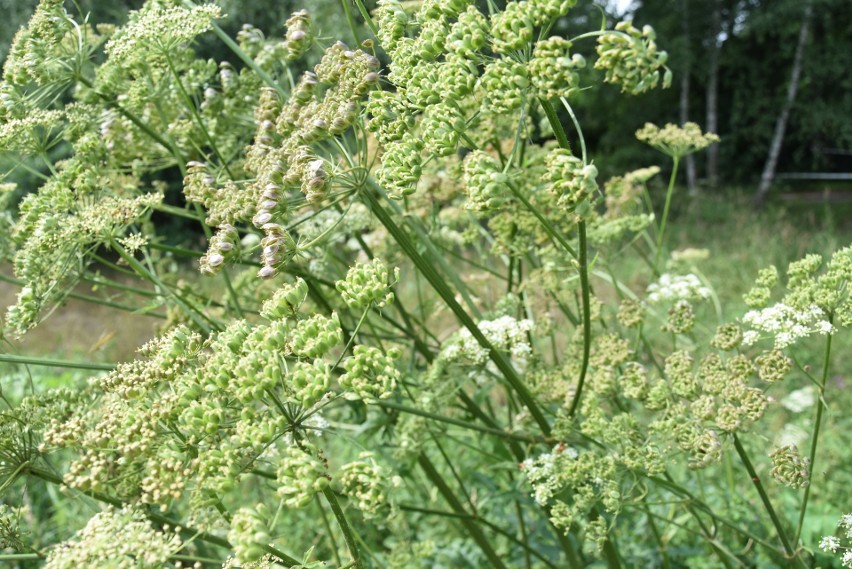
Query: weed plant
{"points": [[411, 340]]}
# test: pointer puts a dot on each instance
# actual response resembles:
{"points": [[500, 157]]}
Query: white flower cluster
{"points": [[785, 323], [800, 399], [123, 539], [504, 333], [541, 471], [832, 544], [677, 287]]}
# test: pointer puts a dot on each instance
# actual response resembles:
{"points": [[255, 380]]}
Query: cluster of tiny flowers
{"points": [[446, 73], [303, 473], [123, 539], [484, 182], [630, 313], [401, 166], [728, 337], [553, 71], [10, 533], [789, 467], [282, 157], [631, 59], [371, 373], [572, 181], [504, 333], [591, 479], [315, 336], [299, 34], [799, 400], [758, 296], [787, 325], [677, 287], [541, 472], [368, 284], [38, 53], [223, 245], [681, 318], [160, 29], [367, 484], [624, 193], [833, 544], [285, 301], [249, 533], [676, 141]]}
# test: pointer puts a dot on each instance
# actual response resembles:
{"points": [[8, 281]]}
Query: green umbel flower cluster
{"points": [[368, 284], [367, 484], [299, 34], [485, 184], [315, 336], [631, 58], [675, 141], [286, 300], [553, 70], [302, 473], [123, 539], [249, 533], [789, 467], [371, 373], [572, 181]]}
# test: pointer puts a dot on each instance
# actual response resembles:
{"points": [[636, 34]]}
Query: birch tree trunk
{"points": [[691, 185], [781, 124], [712, 95]]}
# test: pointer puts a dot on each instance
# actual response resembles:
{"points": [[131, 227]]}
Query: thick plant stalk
{"points": [[369, 194], [348, 536], [661, 235], [583, 267], [755, 479]]}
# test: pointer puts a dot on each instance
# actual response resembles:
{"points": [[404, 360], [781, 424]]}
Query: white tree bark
{"points": [[712, 95], [691, 184]]}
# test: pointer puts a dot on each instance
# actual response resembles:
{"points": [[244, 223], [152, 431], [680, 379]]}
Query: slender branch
{"points": [[348, 536], [28, 360], [475, 532], [815, 439], [755, 479], [662, 233]]}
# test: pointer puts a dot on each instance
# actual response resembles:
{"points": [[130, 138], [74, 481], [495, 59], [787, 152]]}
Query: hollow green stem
{"points": [[587, 318], [348, 536], [662, 233], [370, 196], [470, 525], [755, 479], [26, 360], [583, 259], [367, 18], [815, 439]]}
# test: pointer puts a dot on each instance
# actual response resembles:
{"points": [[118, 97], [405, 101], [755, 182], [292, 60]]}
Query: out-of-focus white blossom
{"points": [[677, 287]]}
